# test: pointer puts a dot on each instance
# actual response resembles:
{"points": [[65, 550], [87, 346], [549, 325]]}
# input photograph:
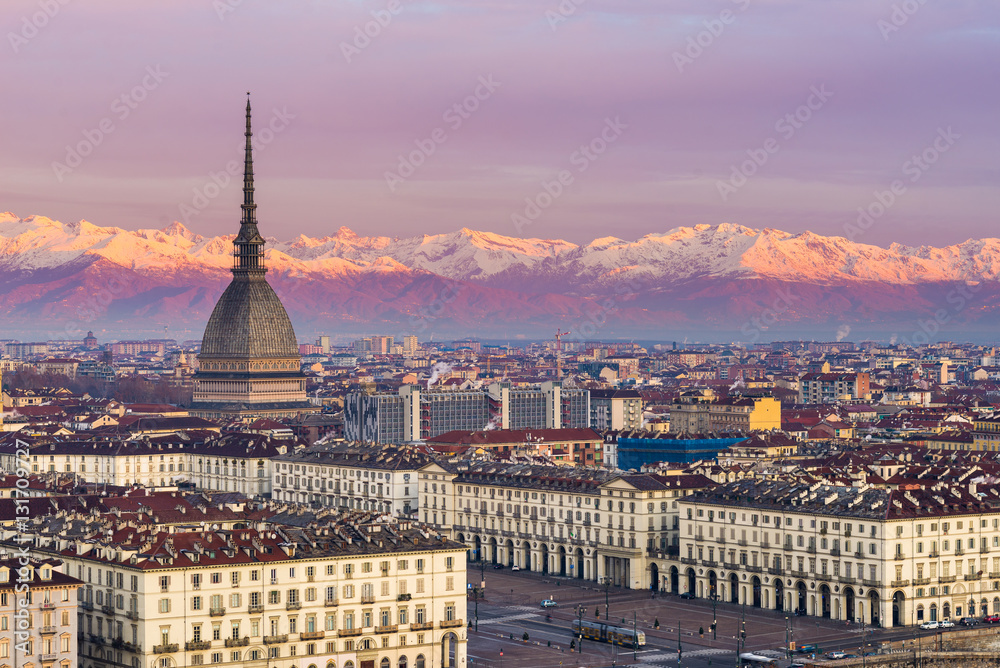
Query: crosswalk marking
{"points": [[508, 618]]}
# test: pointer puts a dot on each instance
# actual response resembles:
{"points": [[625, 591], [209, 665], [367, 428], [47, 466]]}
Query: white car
{"points": [[927, 626], [946, 624], [836, 655], [515, 568]]}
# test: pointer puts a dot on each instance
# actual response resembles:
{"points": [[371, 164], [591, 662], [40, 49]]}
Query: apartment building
{"points": [[360, 477], [355, 591], [701, 412], [573, 522], [234, 462], [49, 618], [887, 558], [414, 413], [829, 388], [986, 432], [615, 409]]}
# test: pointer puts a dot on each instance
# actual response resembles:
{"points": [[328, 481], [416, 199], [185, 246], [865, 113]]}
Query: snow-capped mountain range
{"points": [[723, 278]]}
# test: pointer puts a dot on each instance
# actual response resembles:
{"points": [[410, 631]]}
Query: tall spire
{"points": [[248, 246], [249, 208]]}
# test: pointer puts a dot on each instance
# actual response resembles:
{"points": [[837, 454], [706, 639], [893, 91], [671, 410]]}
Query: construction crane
{"points": [[559, 335]]}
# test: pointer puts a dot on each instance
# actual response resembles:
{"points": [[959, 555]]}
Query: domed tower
{"points": [[249, 360]]}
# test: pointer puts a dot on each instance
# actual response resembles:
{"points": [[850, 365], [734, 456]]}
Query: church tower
{"points": [[249, 365]]}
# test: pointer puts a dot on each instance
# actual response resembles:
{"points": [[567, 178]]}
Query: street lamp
{"points": [[788, 647], [478, 593], [715, 620], [579, 612], [606, 582]]}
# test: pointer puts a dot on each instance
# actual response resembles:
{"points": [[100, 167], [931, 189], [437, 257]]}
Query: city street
{"points": [[512, 607]]}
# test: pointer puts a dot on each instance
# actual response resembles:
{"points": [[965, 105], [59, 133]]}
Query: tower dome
{"points": [[249, 364]]}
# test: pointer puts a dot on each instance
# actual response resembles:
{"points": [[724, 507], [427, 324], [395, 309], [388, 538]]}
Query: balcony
{"points": [[216, 612], [131, 647], [293, 605], [835, 552], [367, 598], [973, 576], [847, 579], [87, 605], [48, 630], [721, 540], [46, 658], [934, 554], [133, 615], [899, 556], [775, 571], [330, 602], [348, 633], [107, 609], [899, 583], [699, 538], [711, 563], [276, 640], [944, 579], [753, 569], [238, 642], [421, 626], [451, 623], [48, 605], [197, 645], [403, 597], [921, 581], [984, 550], [871, 583], [689, 561], [742, 542], [994, 574], [312, 635], [165, 649], [386, 629], [787, 547], [255, 609], [811, 549]]}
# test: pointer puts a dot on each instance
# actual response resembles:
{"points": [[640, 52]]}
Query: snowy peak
{"points": [[728, 251]]}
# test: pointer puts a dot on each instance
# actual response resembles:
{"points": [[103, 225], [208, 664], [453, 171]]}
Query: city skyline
{"points": [[760, 114]]}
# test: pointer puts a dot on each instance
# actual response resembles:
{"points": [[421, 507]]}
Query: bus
{"points": [[616, 635], [750, 660]]}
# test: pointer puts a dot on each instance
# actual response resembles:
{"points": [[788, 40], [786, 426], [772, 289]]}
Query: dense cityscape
{"points": [[499, 335]]}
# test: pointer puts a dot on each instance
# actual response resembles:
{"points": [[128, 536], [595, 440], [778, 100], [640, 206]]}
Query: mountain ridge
{"points": [[700, 276]]}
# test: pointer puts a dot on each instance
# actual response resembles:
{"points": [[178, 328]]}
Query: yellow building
{"points": [[701, 412]]}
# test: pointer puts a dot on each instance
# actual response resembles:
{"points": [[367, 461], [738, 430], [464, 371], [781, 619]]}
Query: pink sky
{"points": [[348, 122]]}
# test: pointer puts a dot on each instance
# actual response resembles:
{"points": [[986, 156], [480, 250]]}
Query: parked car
{"points": [[515, 568], [946, 624], [969, 621], [497, 566], [929, 626], [836, 655], [549, 603], [991, 619], [688, 594]]}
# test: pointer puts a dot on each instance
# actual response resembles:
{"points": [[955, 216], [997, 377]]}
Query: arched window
{"points": [[419, 662], [402, 662], [384, 663]]}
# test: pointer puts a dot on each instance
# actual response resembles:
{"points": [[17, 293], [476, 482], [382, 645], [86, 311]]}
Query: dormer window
{"points": [[4, 574], [46, 572]]}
